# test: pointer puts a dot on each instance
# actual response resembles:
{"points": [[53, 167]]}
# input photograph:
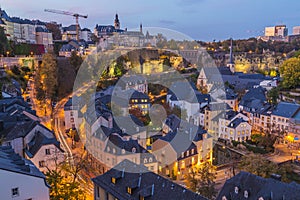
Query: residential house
{"points": [[20, 128], [131, 181], [249, 186], [73, 116], [281, 116], [136, 82], [234, 126], [44, 152], [178, 150], [70, 33], [20, 178], [185, 96], [253, 102]]}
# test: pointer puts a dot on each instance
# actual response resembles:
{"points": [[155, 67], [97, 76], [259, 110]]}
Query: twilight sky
{"points": [[200, 19]]}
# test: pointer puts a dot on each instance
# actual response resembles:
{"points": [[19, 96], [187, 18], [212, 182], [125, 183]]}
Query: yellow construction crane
{"points": [[76, 15]]}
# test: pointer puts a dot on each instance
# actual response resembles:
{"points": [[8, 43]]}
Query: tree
{"points": [[201, 179], [64, 181], [273, 95], [3, 42], [94, 38], [75, 61], [290, 70], [206, 179], [49, 75], [38, 86], [258, 165], [54, 29], [192, 181]]}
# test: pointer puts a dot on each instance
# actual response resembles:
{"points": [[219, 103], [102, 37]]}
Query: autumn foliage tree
{"points": [[64, 181], [290, 71]]}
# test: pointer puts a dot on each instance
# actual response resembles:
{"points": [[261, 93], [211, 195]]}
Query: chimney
{"points": [[1, 125]]}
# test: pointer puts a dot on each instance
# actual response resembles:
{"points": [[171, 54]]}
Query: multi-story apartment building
{"points": [[20, 178], [281, 115], [234, 126]]}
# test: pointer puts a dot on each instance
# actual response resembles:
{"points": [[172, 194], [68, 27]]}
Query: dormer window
{"points": [[261, 198], [236, 190], [113, 180], [224, 198], [123, 151], [246, 194], [145, 160], [133, 150], [129, 190]]}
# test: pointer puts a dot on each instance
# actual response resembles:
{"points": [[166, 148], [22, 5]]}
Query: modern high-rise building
{"points": [[279, 31], [296, 30]]}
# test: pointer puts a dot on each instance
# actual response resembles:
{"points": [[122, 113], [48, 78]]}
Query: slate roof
{"points": [[187, 92], [257, 187], [10, 161], [119, 144], [236, 122], [173, 122], [38, 141], [13, 130], [147, 184], [254, 99], [70, 28], [285, 109], [40, 29]]}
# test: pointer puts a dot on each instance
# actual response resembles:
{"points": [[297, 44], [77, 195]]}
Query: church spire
{"points": [[117, 22], [231, 52], [231, 61]]}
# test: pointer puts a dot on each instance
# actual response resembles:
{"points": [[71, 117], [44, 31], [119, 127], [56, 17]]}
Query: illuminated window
{"points": [[113, 180], [129, 190], [231, 132]]}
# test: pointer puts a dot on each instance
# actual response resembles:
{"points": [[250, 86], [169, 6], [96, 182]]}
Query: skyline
{"points": [[182, 15]]}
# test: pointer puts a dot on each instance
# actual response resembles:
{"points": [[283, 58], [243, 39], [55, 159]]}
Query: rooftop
{"points": [[10, 161], [143, 184], [258, 187]]}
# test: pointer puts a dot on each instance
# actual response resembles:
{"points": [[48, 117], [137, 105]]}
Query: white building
{"points": [[296, 30], [234, 126], [281, 116], [73, 117], [20, 179], [191, 101], [44, 37], [268, 84], [86, 35], [44, 152]]}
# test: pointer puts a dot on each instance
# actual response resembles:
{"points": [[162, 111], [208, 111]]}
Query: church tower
{"points": [[117, 22], [141, 27], [231, 61]]}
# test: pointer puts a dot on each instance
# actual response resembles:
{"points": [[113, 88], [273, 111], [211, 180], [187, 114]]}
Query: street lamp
{"points": [[7, 53]]}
